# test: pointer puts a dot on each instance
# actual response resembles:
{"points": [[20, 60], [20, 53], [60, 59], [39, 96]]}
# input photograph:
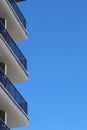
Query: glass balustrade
{"points": [[18, 12], [13, 91], [3, 126]]}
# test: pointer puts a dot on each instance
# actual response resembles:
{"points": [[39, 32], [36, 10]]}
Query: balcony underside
{"points": [[14, 25], [15, 71], [16, 117]]}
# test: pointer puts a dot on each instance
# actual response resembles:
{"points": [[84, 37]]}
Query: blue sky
{"points": [[57, 62]]}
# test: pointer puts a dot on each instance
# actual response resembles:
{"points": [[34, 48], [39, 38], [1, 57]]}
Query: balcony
{"points": [[12, 102], [3, 126], [18, 12], [16, 23], [13, 91], [14, 50], [13, 46]]}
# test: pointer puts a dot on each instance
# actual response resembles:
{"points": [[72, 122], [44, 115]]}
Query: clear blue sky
{"points": [[57, 62]]}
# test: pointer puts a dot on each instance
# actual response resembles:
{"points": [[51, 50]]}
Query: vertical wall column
{"points": [[3, 67], [3, 116], [4, 22]]}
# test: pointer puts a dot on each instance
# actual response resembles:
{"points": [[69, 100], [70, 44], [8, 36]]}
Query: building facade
{"points": [[13, 66]]}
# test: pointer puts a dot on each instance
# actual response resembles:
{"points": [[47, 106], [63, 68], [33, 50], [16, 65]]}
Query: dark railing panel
{"points": [[3, 126], [13, 46], [13, 91], [18, 12]]}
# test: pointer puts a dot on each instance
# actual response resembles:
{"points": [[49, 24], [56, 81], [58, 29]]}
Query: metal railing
{"points": [[18, 12], [13, 46], [13, 91], [3, 126]]}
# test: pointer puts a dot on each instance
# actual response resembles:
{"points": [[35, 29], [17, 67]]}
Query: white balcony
{"points": [[16, 117], [16, 72], [15, 26]]}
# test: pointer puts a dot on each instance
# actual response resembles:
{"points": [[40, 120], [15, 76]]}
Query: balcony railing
{"points": [[13, 46], [18, 12], [13, 91], [3, 126]]}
